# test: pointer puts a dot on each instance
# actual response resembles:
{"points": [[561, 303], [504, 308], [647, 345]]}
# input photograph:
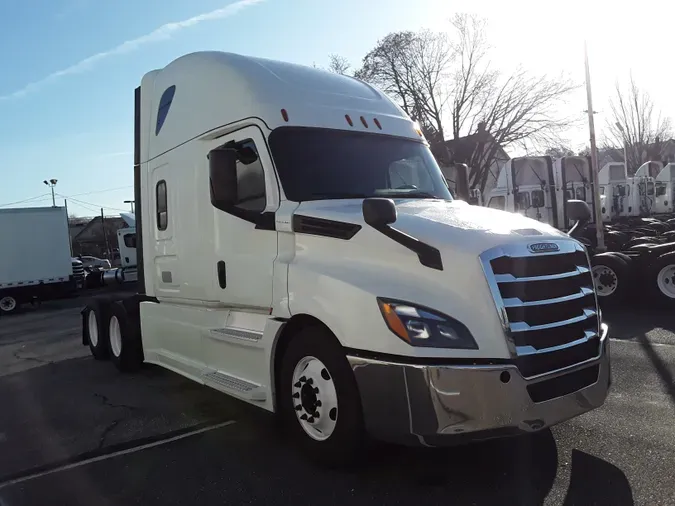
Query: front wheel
{"points": [[319, 400]]}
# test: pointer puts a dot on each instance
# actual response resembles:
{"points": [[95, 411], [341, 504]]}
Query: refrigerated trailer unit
{"points": [[35, 261], [298, 249]]}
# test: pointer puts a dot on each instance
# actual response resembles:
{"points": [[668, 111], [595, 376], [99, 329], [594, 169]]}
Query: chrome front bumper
{"points": [[438, 405]]}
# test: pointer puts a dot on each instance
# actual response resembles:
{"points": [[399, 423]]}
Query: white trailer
{"points": [[35, 262], [298, 249]]}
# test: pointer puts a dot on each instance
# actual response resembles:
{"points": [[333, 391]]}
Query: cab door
{"points": [[244, 243], [245, 240]]}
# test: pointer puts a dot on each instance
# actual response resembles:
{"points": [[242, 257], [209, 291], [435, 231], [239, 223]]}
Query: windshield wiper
{"points": [[378, 193], [415, 194], [339, 195]]}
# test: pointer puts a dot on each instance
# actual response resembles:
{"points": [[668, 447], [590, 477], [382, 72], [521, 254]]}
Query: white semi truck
{"points": [[298, 249], [35, 261], [539, 187]]}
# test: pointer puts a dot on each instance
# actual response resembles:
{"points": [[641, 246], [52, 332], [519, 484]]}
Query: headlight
{"points": [[421, 326]]}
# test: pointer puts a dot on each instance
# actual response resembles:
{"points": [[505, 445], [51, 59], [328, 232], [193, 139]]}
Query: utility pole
{"points": [[599, 231], [51, 183], [70, 239], [105, 236]]}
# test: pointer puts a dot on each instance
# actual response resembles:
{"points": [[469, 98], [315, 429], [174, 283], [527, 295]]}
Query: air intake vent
{"points": [[324, 228]]}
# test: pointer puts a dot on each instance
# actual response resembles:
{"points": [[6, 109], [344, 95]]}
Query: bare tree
{"points": [[558, 151], [413, 69], [472, 77], [447, 84], [387, 66], [636, 125], [338, 64], [518, 110]]}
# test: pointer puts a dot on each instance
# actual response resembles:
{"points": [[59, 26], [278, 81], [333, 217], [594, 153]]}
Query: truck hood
{"points": [[443, 223]]}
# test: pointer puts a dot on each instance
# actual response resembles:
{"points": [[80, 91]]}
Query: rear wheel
{"points": [[610, 277], [124, 340], [662, 278], [8, 304], [319, 400], [96, 334]]}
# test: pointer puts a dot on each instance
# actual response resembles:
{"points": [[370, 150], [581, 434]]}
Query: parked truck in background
{"points": [[298, 249], [35, 261]]}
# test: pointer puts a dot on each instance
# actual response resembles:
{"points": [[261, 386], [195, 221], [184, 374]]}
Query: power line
{"points": [[42, 197], [102, 191], [88, 208], [82, 202], [32, 199]]}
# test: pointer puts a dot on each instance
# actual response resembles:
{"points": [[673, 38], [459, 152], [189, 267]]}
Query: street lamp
{"points": [[625, 143], [131, 203], [51, 183]]}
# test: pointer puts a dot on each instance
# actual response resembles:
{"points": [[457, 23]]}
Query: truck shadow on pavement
{"points": [[626, 323], [597, 482], [57, 412], [519, 471]]}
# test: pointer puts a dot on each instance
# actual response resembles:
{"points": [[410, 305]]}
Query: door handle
{"points": [[222, 278]]}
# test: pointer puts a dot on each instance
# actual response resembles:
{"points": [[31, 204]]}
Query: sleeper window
{"points": [[162, 210]]}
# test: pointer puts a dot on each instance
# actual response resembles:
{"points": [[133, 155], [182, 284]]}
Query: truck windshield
{"points": [[315, 164]]}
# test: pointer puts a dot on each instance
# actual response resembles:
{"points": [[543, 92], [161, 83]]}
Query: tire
{"points": [[617, 238], [623, 257], [312, 353], [9, 304], [659, 227], [95, 332], [124, 340], [639, 240], [646, 231], [661, 278], [611, 278]]}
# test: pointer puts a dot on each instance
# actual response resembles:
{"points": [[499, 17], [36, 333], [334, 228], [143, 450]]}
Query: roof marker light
{"points": [[349, 120], [284, 115], [363, 121], [377, 123]]}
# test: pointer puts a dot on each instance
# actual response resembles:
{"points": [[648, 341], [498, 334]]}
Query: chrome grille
{"points": [[546, 303], [78, 270]]}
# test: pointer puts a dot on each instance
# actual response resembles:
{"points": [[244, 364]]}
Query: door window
{"points": [[250, 194], [497, 202], [162, 205]]}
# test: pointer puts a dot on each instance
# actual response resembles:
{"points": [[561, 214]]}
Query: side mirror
{"points": [[462, 178], [538, 199], [579, 212], [223, 176], [379, 212]]}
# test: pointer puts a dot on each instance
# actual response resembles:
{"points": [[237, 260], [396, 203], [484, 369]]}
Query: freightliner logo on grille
{"points": [[543, 247]]}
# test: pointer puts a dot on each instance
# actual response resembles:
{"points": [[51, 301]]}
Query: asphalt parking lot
{"points": [[75, 431]]}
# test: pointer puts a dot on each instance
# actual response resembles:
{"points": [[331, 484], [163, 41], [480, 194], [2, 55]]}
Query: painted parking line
{"points": [[126, 451]]}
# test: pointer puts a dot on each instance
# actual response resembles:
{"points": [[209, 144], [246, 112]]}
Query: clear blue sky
{"points": [[69, 67], [77, 126]]}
